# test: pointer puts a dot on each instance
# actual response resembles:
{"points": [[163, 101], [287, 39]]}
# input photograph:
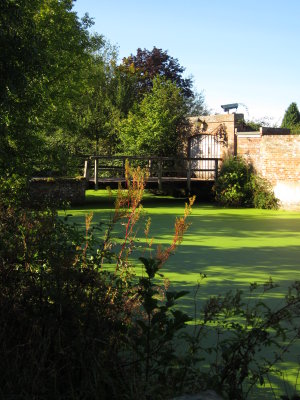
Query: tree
{"points": [[125, 89], [148, 64], [291, 117], [20, 67], [196, 105], [43, 55], [153, 127], [98, 114]]}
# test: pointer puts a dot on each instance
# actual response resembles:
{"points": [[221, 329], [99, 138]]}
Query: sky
{"points": [[237, 51]]}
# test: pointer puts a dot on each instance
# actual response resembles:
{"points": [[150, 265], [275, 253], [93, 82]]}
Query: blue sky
{"points": [[244, 51]]}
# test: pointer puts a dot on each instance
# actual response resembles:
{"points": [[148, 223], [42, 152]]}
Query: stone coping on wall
{"points": [[263, 131], [217, 118], [250, 134]]}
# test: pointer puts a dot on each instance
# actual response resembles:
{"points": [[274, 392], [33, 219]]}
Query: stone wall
{"points": [[57, 190], [276, 158]]}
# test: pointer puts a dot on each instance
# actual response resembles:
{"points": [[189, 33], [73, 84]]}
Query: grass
{"points": [[233, 247]]}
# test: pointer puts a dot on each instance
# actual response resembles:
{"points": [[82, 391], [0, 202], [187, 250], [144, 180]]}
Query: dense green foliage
{"points": [[255, 124], [153, 127], [238, 185], [44, 52], [291, 119], [251, 126], [57, 339]]}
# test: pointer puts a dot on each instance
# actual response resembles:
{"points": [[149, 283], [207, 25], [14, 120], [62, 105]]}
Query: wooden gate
{"points": [[204, 146]]}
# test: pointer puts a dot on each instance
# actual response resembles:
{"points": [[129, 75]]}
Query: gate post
{"points": [[86, 172], [149, 166], [96, 173], [159, 178], [189, 174], [123, 173], [216, 168]]}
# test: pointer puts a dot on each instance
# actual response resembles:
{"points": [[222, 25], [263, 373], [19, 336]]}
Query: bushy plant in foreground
{"points": [[70, 329], [237, 185]]}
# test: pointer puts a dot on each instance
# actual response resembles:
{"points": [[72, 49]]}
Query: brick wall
{"points": [[249, 148], [280, 158], [276, 158]]}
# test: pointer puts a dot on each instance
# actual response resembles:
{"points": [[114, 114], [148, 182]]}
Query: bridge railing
{"points": [[159, 168]]}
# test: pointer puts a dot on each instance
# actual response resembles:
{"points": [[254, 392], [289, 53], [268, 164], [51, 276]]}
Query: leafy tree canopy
{"points": [[148, 64], [99, 111], [196, 105], [153, 127], [41, 63], [291, 117]]}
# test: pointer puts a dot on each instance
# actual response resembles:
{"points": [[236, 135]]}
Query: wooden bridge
{"points": [[111, 169]]}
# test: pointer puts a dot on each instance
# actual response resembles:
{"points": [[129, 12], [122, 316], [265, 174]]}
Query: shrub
{"points": [[237, 185], [233, 186], [13, 190], [295, 130], [263, 195], [59, 330]]}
